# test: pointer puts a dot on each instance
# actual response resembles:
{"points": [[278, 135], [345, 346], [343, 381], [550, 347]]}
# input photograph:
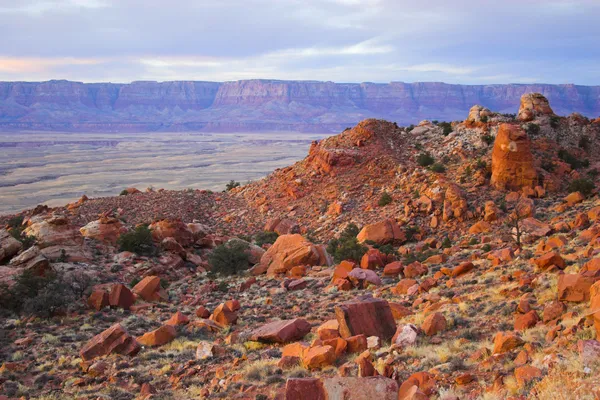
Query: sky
{"points": [[454, 41]]}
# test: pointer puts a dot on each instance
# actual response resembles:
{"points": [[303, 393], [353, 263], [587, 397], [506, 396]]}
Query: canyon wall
{"points": [[261, 105]]}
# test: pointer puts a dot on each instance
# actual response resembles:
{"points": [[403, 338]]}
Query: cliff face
{"points": [[261, 105]]}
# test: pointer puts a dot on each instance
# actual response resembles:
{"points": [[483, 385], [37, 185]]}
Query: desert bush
{"points": [[573, 161], [554, 121], [229, 258], [425, 159], [487, 138], [446, 128], [584, 142], [385, 199], [346, 247], [265, 237], [231, 185], [437, 167], [124, 192], [43, 296], [532, 129], [138, 241], [583, 185], [484, 119]]}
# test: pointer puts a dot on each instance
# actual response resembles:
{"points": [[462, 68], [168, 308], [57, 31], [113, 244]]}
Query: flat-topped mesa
{"points": [[532, 106], [512, 161]]}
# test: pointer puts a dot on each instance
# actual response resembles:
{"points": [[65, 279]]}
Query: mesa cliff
{"points": [[261, 105]]}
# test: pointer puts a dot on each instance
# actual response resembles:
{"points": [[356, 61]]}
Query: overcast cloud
{"points": [[459, 41]]}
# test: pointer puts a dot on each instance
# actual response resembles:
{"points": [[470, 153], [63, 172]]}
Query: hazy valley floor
{"points": [[56, 168]]}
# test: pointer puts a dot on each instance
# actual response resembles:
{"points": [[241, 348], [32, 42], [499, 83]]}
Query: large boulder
{"points": [[9, 246], [158, 337], [54, 231], [290, 251], [150, 289], [387, 231], [105, 229], [575, 287], [595, 306], [283, 331], [532, 106], [512, 161], [477, 112], [174, 228], [113, 340], [369, 316]]}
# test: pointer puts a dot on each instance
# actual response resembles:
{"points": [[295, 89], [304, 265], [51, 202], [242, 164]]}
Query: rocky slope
{"points": [[475, 273], [260, 105]]}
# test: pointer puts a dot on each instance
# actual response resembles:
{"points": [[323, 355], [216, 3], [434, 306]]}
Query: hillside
{"points": [[260, 105], [438, 261]]}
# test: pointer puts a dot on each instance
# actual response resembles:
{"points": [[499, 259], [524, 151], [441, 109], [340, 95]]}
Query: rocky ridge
{"points": [[477, 274]]}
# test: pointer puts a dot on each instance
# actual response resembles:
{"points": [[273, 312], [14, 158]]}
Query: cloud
{"points": [[465, 41]]}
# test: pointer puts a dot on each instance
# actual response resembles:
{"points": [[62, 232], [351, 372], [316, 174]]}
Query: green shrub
{"points": [[124, 192], [17, 233], [44, 296], [425, 159], [473, 241], [554, 121], [484, 119], [487, 138], [437, 167], [573, 161], [532, 129], [446, 243], [16, 222], [486, 247], [584, 142], [446, 128], [232, 184], [583, 185], [138, 241], [229, 258], [385, 199], [346, 247], [265, 237], [481, 164]]}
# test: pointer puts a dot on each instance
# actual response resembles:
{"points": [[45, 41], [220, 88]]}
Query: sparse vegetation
{"points": [[346, 247], [138, 241], [437, 167], [229, 258], [583, 185], [425, 159], [385, 199], [265, 237], [572, 160], [231, 185], [446, 128], [532, 129]]}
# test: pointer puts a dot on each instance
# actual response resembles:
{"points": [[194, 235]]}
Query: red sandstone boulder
{"points": [[98, 299], [121, 296], [178, 318], [415, 269], [357, 388], [224, 315], [318, 357], [575, 287], [526, 321], [455, 203], [512, 161], [370, 316], [283, 331], [105, 229], [54, 230], [304, 389], [282, 226], [548, 260], [372, 259], [150, 289], [289, 251], [506, 341], [174, 228], [434, 323], [595, 306], [383, 232], [393, 269], [113, 340], [158, 337], [533, 105]]}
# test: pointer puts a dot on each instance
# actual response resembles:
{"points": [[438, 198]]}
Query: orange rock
{"points": [[512, 161], [283, 331], [371, 317], [575, 287], [158, 337], [434, 323], [372, 259], [318, 357], [298, 271], [423, 381], [282, 226], [526, 321], [399, 311], [98, 299], [365, 366], [174, 228], [415, 269], [296, 349], [532, 106], [339, 345], [233, 305], [202, 312], [150, 289], [436, 259], [526, 374], [121, 296], [105, 229], [178, 319], [329, 330], [506, 341], [383, 232], [393, 269], [480, 227], [595, 306], [548, 260], [455, 203], [403, 286], [224, 315], [553, 310], [356, 344], [113, 340], [462, 269], [289, 251], [304, 389], [574, 198]]}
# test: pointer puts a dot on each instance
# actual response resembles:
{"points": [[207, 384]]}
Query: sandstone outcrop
{"points": [[387, 231], [290, 251], [105, 229], [532, 106], [512, 161]]}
